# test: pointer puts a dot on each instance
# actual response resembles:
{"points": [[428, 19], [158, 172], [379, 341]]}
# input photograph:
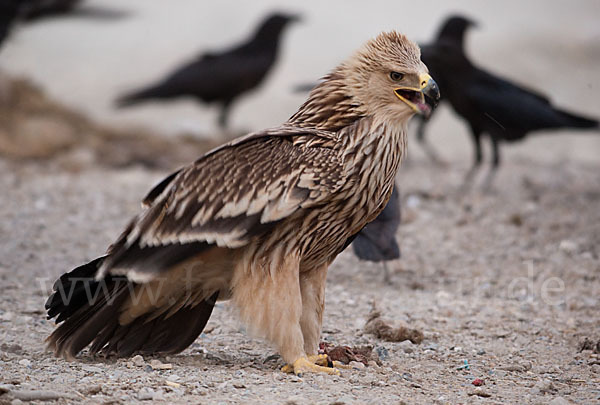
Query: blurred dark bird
{"points": [[30, 10], [304, 87], [221, 77], [490, 105], [13, 12], [9, 10], [377, 242]]}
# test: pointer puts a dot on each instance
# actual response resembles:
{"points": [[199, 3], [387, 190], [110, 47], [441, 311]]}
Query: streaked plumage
{"points": [[220, 77], [257, 221]]}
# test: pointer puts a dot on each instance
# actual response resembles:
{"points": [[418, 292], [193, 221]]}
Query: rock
{"points": [[159, 365], [172, 384], [382, 353], [6, 316], [559, 401], [91, 369], [145, 394], [407, 346], [568, 246], [543, 387], [25, 363], [93, 390], [357, 365], [413, 201], [480, 393], [238, 384], [138, 361], [295, 400]]}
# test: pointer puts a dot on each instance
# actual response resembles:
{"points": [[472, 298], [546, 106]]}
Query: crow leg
{"points": [[224, 114], [489, 179], [468, 181], [386, 273]]}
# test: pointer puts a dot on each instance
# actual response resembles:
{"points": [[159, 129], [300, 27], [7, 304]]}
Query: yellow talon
{"points": [[305, 365], [339, 364], [319, 360]]}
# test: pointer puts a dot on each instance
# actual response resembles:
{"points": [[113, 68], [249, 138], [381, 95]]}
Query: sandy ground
{"points": [[507, 281]]}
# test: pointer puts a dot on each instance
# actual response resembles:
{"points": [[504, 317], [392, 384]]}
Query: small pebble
{"points": [[158, 365], [6, 316], [357, 365], [238, 384], [172, 384], [138, 360], [480, 393], [407, 346], [559, 401], [568, 246], [25, 363], [145, 394], [382, 352], [91, 369]]}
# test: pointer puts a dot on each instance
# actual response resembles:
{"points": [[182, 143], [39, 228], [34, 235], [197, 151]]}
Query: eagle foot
{"points": [[312, 364]]}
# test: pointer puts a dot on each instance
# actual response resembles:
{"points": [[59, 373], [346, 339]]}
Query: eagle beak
{"points": [[415, 98]]}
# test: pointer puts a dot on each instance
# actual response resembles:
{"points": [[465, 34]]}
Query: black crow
{"points": [[491, 105], [14, 12], [9, 10], [221, 77], [376, 242], [31, 10]]}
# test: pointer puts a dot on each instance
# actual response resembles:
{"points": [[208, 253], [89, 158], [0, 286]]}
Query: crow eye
{"points": [[395, 76]]}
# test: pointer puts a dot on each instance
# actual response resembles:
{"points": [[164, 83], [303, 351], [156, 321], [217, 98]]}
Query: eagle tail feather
{"points": [[89, 311]]}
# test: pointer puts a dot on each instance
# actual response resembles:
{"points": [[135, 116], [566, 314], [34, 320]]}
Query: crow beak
{"points": [[295, 18], [415, 98]]}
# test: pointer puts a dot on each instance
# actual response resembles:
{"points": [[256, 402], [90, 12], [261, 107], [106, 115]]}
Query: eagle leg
{"points": [[312, 288], [267, 296]]}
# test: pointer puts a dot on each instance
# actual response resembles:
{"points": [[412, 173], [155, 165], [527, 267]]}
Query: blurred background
{"points": [[86, 63]]}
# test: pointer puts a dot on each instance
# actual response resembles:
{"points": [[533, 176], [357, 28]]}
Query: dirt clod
{"points": [[382, 330]]}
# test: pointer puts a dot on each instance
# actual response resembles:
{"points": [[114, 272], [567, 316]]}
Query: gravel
{"points": [[508, 299]]}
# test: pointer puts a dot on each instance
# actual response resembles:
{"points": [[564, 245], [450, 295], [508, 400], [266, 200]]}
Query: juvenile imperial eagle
{"points": [[257, 221]]}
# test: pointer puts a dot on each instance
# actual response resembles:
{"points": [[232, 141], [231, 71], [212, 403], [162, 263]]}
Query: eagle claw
{"points": [[311, 364]]}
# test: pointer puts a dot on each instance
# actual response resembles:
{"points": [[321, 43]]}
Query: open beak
{"points": [[415, 98]]}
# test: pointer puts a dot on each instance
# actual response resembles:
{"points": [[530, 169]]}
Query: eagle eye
{"points": [[395, 76]]}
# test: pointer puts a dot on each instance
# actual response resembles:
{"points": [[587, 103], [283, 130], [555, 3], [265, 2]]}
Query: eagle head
{"points": [[387, 77]]}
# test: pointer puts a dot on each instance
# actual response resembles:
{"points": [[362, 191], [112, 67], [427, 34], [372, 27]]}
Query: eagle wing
{"points": [[230, 195]]}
